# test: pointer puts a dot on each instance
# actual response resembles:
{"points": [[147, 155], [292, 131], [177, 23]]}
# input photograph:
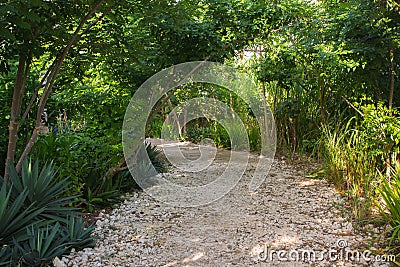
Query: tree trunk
{"points": [[184, 121], [275, 99], [322, 100], [175, 118], [391, 93], [265, 110], [18, 94]]}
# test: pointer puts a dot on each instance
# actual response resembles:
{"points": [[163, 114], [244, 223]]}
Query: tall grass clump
{"points": [[356, 153], [390, 206], [348, 167]]}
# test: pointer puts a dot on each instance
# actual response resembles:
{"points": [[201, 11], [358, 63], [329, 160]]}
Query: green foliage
{"points": [[381, 131], [355, 154], [41, 245], [390, 192], [14, 216], [349, 167], [77, 234], [253, 131], [44, 191], [43, 242], [99, 153], [100, 196], [5, 256], [155, 157], [88, 178], [219, 135], [196, 134], [36, 221]]}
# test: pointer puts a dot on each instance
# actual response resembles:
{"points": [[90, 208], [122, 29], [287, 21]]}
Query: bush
{"points": [[36, 221], [196, 134], [84, 160], [79, 155]]}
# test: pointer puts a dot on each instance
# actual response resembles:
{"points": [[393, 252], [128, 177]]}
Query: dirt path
{"points": [[289, 221]]}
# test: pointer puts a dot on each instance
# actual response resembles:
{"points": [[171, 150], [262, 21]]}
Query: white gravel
{"points": [[288, 214]]}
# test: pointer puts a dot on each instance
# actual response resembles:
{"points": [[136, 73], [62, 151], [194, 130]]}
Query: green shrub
{"points": [[254, 134], [348, 167], [79, 155], [196, 134], [84, 160], [220, 136]]}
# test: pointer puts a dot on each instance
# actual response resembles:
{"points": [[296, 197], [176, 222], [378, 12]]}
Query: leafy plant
{"points": [[5, 256], [196, 134], [155, 157], [36, 221], [41, 244], [77, 234], [43, 190], [14, 215], [390, 192], [103, 197], [85, 177], [348, 170]]}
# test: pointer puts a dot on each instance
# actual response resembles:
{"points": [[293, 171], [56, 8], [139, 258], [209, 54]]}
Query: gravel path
{"points": [[283, 223]]}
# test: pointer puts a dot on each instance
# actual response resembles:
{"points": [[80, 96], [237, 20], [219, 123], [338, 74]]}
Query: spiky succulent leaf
{"points": [[14, 217], [42, 189]]}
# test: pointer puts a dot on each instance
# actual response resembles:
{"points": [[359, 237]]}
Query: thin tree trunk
{"points": [[230, 99], [265, 109], [36, 92], [19, 87], [184, 121], [391, 93], [391, 80], [176, 118], [322, 100], [275, 99]]}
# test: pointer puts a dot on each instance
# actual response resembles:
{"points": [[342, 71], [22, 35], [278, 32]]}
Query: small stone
{"points": [[58, 263]]}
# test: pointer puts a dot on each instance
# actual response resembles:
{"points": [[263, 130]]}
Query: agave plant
{"points": [[14, 216], [36, 221], [43, 190], [5, 255], [155, 157], [41, 245], [77, 234]]}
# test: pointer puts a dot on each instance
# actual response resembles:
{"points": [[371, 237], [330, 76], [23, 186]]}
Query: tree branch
{"points": [[35, 93], [351, 105]]}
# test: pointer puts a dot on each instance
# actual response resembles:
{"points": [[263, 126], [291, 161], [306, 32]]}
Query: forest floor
{"points": [[291, 220]]}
